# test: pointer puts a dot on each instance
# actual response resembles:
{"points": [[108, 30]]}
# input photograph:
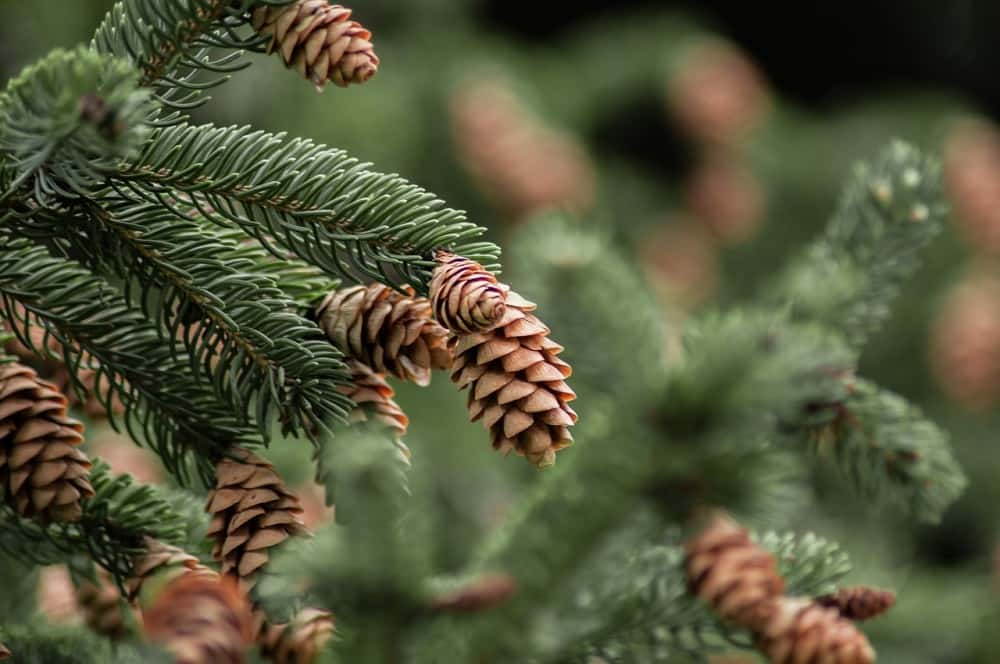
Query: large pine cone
{"points": [[517, 384], [387, 331], [465, 296], [101, 605], [252, 511], [317, 39], [731, 573], [798, 630], [859, 602], [299, 641], [43, 474], [201, 620]]}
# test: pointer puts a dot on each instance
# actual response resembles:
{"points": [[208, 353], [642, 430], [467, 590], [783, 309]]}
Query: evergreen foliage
{"points": [[182, 263]]}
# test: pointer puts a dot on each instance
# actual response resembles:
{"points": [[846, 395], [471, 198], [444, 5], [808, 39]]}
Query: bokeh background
{"points": [[709, 139]]}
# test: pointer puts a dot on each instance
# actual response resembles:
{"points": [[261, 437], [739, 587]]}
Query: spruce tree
{"points": [[220, 291]]}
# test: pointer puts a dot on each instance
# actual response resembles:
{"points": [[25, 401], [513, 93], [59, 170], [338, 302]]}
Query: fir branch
{"points": [[66, 122], [164, 405], [889, 212], [886, 447], [172, 42], [322, 205], [204, 290], [110, 531]]}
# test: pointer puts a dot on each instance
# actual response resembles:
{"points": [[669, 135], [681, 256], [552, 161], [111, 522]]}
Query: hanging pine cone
{"points": [[299, 641], [43, 474], [201, 620], [389, 332], [374, 403], [465, 296], [160, 559], [797, 630], [102, 608], [731, 573], [516, 383], [859, 602], [252, 511], [318, 41]]}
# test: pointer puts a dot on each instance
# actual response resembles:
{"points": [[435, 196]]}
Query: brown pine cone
{"points": [[374, 402], [43, 474], [4, 652], [965, 342], [201, 620], [102, 607], [482, 594], [317, 39], [517, 384], [252, 511], [389, 332], [859, 602], [296, 642], [465, 296], [797, 630], [731, 573], [160, 559], [972, 175]]}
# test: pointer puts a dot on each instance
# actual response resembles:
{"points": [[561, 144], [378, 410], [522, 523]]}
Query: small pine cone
{"points": [[4, 652], [965, 342], [252, 511], [482, 594], [391, 333], [43, 473], [201, 620], [55, 596], [374, 402], [158, 559], [798, 630], [731, 573], [972, 176], [101, 604], [317, 39], [465, 296], [517, 384], [859, 602], [299, 641]]}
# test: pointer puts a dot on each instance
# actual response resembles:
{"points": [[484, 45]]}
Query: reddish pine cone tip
{"points": [[318, 40], [43, 473], [201, 620], [859, 602], [4, 652], [465, 296], [730, 573], [797, 630], [298, 641], [482, 594]]}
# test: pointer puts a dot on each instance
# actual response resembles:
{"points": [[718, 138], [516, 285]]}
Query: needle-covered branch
{"points": [[322, 205]]}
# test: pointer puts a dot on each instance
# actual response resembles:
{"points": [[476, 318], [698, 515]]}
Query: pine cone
{"points": [[4, 652], [731, 573], [373, 397], [482, 594], [201, 620], [465, 297], [517, 384], [42, 472], [972, 175], [317, 39], [159, 558], [859, 602], [252, 512], [299, 641], [389, 332], [102, 608], [797, 630]]}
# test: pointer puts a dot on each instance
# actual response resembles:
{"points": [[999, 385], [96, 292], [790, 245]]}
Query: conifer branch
{"points": [[890, 210], [164, 405], [322, 205]]}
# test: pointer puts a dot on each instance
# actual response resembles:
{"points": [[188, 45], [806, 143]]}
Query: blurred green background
{"points": [[711, 144]]}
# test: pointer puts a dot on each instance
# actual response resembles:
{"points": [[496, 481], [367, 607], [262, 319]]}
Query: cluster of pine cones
{"points": [[740, 581]]}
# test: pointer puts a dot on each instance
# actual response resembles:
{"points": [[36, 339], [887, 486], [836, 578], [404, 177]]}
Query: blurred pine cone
{"points": [[798, 630], [859, 603]]}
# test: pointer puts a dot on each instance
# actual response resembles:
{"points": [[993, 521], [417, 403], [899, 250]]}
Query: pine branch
{"points": [[889, 212], [171, 43], [164, 405], [110, 531], [322, 205], [204, 290], [886, 447], [65, 123]]}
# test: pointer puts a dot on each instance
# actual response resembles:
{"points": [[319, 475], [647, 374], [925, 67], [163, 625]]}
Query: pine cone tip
{"points": [[859, 603], [465, 297]]}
